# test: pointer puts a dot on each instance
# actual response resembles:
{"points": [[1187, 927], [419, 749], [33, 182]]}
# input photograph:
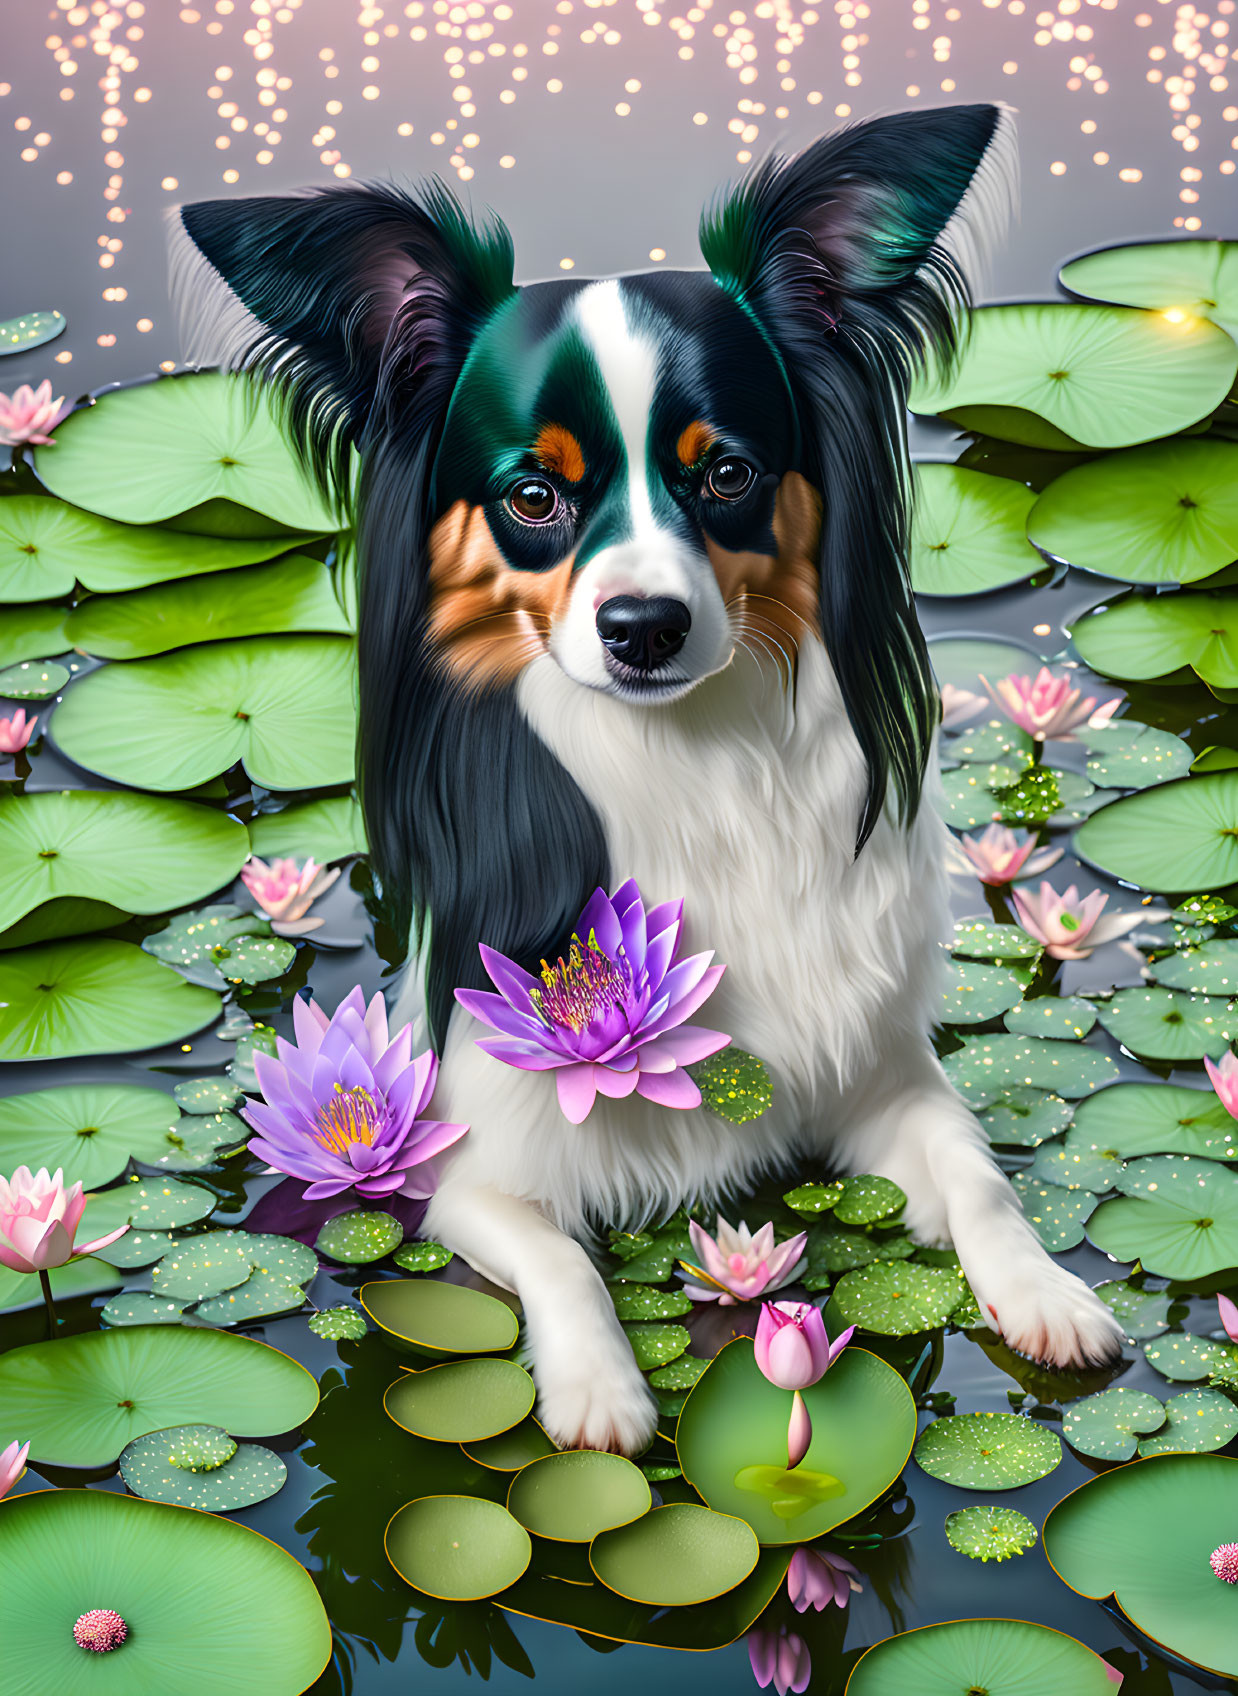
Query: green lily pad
{"points": [[32, 632], [813, 1199], [990, 1534], [1105, 1426], [1137, 757], [642, 1302], [324, 830], [339, 1324], [1185, 1357], [1198, 279], [987, 1451], [462, 1402], [969, 532], [1061, 1018], [654, 1263], [996, 741], [833, 1250], [138, 1248], [897, 1300], [206, 1095], [150, 1204], [139, 1307], [201, 1267], [1056, 1215], [46, 547], [138, 853], [1076, 1163], [33, 680], [289, 594], [657, 1345], [734, 1084], [262, 1295], [182, 441], [1135, 1119], [249, 1474], [1197, 1422], [1149, 638], [981, 939], [1177, 1216], [82, 1399], [94, 997], [571, 1497], [1167, 513], [284, 1257], [675, 1556], [735, 1423], [282, 705], [257, 1615], [201, 943], [987, 1065], [197, 1140], [866, 1200], [976, 794], [260, 1039], [1024, 1118], [87, 1275], [976, 992], [423, 1256], [90, 1131], [457, 1548], [1141, 1313], [257, 959], [1210, 970], [1143, 1535], [1169, 1024], [513, 1449], [439, 1319], [681, 1374], [358, 1238], [1102, 376], [1001, 1657], [30, 329]]}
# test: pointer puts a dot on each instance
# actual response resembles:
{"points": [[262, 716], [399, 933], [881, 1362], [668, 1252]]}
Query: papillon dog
{"points": [[635, 604]]}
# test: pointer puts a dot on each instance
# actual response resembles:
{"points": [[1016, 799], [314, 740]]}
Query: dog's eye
{"points": [[533, 500], [729, 479]]}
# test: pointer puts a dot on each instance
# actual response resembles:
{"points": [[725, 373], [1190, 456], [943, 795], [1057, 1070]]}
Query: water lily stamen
{"points": [[349, 1117]]}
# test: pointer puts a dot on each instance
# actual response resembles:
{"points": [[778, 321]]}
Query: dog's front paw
{"points": [[592, 1397], [1045, 1312]]}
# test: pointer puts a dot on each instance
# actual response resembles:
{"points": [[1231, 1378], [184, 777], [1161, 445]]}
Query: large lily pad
{"points": [[1102, 376], [462, 1402], [1169, 1024], [90, 1131], [283, 705], [33, 632], [987, 1065], [181, 441], [1141, 638], [675, 1556], [82, 1399], [987, 1451], [1106, 1425], [734, 1427], [457, 1548], [1194, 279], [438, 1319], [46, 547], [969, 532], [896, 1300], [1143, 1534], [140, 853], [326, 830], [94, 997], [1178, 836], [296, 593], [1001, 1657], [1197, 1422], [1177, 1216], [256, 1624], [182, 1465], [570, 1498]]}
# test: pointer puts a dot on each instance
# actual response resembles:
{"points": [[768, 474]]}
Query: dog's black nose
{"points": [[643, 633]]}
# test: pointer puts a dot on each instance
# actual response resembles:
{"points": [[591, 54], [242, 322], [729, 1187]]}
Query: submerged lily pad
{"points": [[282, 705], [1128, 755], [987, 1065], [1105, 1425], [206, 1095], [339, 1324], [1024, 1118], [999, 1657], [1056, 1215], [84, 1398], [990, 1534], [462, 1402], [976, 992], [257, 959], [734, 1084], [1197, 1422], [1134, 1119], [897, 1300], [1181, 278], [94, 997], [90, 1131], [969, 532], [987, 1451], [159, 1467], [356, 1239], [198, 1139], [675, 1556], [439, 1319], [1177, 1216], [571, 1497], [457, 1548], [324, 830], [1148, 638], [1143, 1534]]}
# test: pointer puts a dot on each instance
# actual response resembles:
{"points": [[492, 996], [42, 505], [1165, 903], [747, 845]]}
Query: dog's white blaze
{"points": [[628, 362]]}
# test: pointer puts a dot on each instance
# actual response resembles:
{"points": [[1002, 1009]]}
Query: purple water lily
{"points": [[610, 1018], [341, 1104]]}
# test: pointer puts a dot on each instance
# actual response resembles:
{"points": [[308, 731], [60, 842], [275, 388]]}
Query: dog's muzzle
{"points": [[640, 633]]}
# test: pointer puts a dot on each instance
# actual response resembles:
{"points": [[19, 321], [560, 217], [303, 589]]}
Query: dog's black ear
{"points": [[839, 254], [309, 288]]}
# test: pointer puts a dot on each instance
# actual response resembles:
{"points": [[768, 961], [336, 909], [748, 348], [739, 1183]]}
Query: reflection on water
{"points": [[789, 1494]]}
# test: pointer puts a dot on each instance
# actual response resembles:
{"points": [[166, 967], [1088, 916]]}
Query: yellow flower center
{"points": [[350, 1116]]}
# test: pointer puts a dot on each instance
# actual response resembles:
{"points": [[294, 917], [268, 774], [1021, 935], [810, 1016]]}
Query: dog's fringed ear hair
{"points": [[843, 255]]}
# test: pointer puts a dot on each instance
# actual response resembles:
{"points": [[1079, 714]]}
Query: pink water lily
{"points": [[1000, 855], [780, 1658], [30, 415], [1224, 1078], [16, 732], [1229, 1317], [12, 1465], [608, 1019], [39, 1220], [1070, 925], [960, 707], [1047, 707], [285, 891], [815, 1579], [740, 1265]]}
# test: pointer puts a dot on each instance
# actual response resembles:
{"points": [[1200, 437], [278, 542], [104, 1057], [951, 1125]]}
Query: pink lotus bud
{"points": [[1225, 1082], [780, 1658], [1229, 1317], [816, 1578], [12, 1465], [792, 1347]]}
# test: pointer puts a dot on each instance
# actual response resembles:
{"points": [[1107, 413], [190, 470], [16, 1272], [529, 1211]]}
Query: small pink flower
{"points": [[16, 732], [815, 1579], [1001, 854], [30, 415], [1048, 708], [792, 1347], [100, 1630], [12, 1464], [1070, 925], [1229, 1318], [1225, 1081], [960, 707], [1224, 1562], [285, 892], [39, 1220], [741, 1265], [780, 1658]]}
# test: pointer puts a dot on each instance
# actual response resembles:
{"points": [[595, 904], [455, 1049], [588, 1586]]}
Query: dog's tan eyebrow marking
{"points": [[694, 442], [557, 449]]}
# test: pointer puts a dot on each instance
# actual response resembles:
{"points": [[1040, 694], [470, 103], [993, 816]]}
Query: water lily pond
{"points": [[350, 1410]]}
